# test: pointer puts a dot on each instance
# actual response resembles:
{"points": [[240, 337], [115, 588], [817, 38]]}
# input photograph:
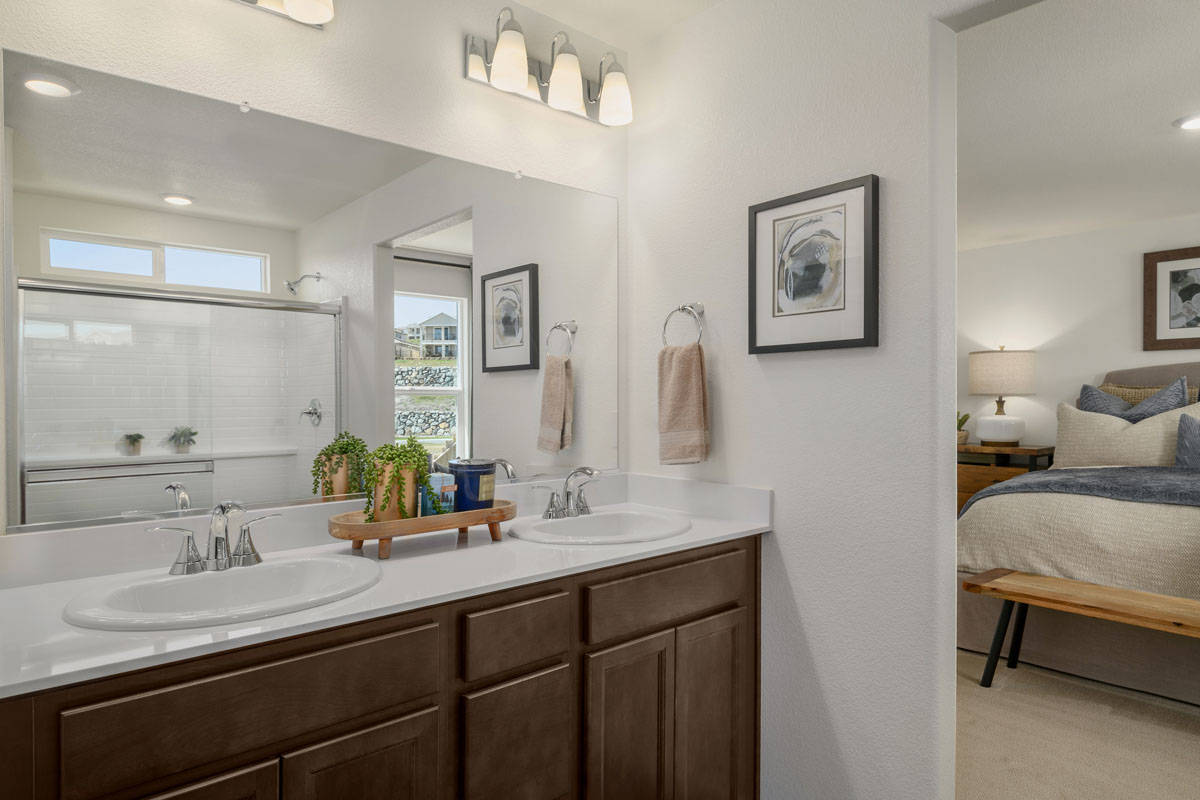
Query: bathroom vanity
{"points": [[635, 678]]}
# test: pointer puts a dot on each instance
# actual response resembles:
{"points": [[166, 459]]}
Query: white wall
{"points": [[857, 625], [1076, 300], [32, 212]]}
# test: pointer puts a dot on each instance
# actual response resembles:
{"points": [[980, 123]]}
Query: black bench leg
{"points": [[989, 671], [1014, 649]]}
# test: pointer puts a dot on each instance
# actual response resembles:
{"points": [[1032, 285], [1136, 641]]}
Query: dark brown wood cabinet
{"points": [[633, 681]]}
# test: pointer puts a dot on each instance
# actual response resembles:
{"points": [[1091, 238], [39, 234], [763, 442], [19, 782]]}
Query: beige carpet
{"points": [[1042, 735]]}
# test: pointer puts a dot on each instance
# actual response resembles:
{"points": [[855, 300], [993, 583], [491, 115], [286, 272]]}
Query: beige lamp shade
{"points": [[999, 373]]}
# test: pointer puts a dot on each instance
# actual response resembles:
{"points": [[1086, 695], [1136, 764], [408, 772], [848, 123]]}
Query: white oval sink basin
{"points": [[602, 527], [274, 587]]}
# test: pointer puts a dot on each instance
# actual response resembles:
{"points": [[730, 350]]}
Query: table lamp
{"points": [[999, 373]]}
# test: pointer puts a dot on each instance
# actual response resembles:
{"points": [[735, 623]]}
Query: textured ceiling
{"points": [[126, 142], [1064, 118], [457, 240]]}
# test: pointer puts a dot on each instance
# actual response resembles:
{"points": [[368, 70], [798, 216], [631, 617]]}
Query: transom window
{"points": [[113, 258]]}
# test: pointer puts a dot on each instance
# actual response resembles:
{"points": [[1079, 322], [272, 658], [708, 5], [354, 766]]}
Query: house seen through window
{"points": [[431, 379]]}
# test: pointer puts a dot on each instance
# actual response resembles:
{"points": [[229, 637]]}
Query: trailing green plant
{"points": [[401, 457], [346, 450], [132, 439], [962, 420], [183, 436]]}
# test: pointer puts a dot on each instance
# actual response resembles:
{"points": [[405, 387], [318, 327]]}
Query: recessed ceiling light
{"points": [[1188, 123], [178, 199], [50, 85]]}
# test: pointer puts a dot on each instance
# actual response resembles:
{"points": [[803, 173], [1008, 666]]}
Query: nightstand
{"points": [[980, 466]]}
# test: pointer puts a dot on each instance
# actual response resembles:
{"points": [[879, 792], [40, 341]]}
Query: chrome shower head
{"points": [[291, 285]]}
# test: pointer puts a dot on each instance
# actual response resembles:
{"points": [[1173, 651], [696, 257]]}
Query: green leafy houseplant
{"points": [[183, 437], [133, 441], [408, 457], [962, 420], [346, 450]]}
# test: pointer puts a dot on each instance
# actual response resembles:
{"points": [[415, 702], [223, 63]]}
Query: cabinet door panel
{"points": [[260, 782], [630, 696], [397, 760], [517, 738], [714, 708]]}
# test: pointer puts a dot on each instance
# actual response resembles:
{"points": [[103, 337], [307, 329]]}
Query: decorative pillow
{"points": [[1136, 394], [1172, 396], [1087, 439], [1187, 448]]}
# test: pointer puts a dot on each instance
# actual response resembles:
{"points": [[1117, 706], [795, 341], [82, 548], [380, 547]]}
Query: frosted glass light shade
{"points": [[310, 12], [1000, 373], [510, 64], [566, 83], [616, 105]]}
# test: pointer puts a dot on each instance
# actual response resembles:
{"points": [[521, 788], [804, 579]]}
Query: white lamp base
{"points": [[1000, 431]]}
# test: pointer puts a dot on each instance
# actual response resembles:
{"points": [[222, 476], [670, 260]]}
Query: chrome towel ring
{"points": [[569, 327], [697, 312]]}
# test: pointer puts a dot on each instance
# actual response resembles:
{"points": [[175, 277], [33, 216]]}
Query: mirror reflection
{"points": [[210, 293]]}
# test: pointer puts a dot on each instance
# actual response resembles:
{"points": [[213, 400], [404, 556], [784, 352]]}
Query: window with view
{"points": [[113, 258], [430, 376]]}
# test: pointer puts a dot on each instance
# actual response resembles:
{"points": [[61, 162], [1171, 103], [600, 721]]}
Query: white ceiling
{"points": [[621, 23], [126, 142], [1064, 118], [456, 240]]}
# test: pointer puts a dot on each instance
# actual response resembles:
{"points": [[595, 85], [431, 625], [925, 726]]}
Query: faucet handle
{"points": [[188, 562], [554, 509], [581, 503], [245, 554]]}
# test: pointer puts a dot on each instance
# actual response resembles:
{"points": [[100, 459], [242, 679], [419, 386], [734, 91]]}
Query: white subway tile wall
{"points": [[96, 368]]}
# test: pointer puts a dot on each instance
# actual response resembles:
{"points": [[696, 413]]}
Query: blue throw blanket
{"points": [[1177, 486]]}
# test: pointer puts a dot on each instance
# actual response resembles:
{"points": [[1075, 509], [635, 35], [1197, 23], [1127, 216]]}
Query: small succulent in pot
{"points": [[962, 433], [133, 443], [183, 438], [392, 475], [339, 468]]}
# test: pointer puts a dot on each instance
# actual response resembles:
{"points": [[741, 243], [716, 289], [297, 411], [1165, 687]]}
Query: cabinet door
{"points": [[260, 782], [397, 760], [714, 708], [630, 697], [518, 738]]}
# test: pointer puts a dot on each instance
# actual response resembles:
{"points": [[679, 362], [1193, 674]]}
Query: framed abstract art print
{"points": [[509, 300]]}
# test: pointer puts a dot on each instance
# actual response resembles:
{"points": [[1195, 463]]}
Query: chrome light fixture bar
{"points": [[306, 13], [559, 83]]}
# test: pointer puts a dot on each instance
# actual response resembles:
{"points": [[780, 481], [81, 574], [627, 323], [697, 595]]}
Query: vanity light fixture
{"points": [[510, 63], [177, 199], [49, 85], [1189, 123], [566, 80], [616, 104]]}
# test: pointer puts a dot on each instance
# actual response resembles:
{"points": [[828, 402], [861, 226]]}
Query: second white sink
{"points": [[171, 602], [619, 526]]}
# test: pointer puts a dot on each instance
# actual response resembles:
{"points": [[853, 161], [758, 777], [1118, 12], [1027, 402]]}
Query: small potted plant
{"points": [[392, 475], [133, 443], [338, 468], [182, 438], [962, 433]]}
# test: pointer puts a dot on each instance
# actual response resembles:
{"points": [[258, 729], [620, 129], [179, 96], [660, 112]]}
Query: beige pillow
{"points": [[1086, 439]]}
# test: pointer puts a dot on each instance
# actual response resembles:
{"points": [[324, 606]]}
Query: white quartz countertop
{"points": [[39, 650]]}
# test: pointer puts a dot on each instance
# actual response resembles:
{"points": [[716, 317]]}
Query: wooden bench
{"points": [[1022, 589]]}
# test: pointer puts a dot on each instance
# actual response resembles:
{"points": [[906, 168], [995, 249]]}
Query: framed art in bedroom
{"points": [[508, 300], [814, 269], [1171, 299]]}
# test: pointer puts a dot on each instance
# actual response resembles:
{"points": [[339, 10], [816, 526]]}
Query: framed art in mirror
{"points": [[1171, 299], [509, 299], [814, 269]]}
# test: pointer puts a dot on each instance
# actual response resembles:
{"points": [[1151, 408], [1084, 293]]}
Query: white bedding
{"points": [[1146, 546]]}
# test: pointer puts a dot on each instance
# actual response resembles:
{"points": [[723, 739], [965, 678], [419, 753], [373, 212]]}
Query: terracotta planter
{"points": [[409, 478], [337, 481], [962, 437]]}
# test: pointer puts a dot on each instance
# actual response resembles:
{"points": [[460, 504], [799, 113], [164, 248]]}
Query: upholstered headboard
{"points": [[1156, 376]]}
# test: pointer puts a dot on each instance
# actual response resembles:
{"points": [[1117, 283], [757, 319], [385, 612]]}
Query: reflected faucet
{"points": [[506, 465], [182, 501], [216, 552]]}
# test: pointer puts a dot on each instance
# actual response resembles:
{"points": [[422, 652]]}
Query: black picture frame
{"points": [[533, 326], [870, 214]]}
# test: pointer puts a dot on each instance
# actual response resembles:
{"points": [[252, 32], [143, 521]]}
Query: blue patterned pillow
{"points": [[1168, 398], [1187, 448]]}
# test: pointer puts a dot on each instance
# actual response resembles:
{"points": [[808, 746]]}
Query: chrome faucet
{"points": [[506, 465], [245, 554], [182, 501], [575, 503], [188, 562], [216, 553]]}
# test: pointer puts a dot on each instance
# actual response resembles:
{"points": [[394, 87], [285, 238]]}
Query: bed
{"points": [[1147, 546]]}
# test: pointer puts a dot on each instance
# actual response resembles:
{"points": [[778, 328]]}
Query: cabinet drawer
{"points": [[131, 740], [974, 477], [514, 635], [259, 782], [639, 602]]}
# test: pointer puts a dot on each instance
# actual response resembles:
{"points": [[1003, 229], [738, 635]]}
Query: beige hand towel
{"points": [[558, 405], [682, 405]]}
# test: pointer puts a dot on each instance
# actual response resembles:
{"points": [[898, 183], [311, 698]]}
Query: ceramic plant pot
{"points": [[408, 478], [183, 449], [962, 437], [135, 449], [335, 482]]}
